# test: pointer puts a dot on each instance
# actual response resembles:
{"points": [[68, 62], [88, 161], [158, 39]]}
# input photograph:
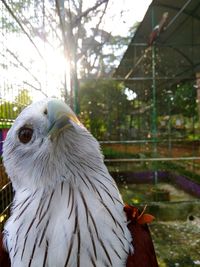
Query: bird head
{"points": [[45, 142]]}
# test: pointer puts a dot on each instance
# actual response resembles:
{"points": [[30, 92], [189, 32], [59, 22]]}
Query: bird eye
{"points": [[25, 135], [45, 111]]}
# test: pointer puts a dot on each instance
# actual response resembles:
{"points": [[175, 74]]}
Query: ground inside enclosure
{"points": [[177, 243], [176, 229]]}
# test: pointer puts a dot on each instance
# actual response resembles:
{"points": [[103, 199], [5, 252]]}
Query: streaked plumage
{"points": [[67, 210]]}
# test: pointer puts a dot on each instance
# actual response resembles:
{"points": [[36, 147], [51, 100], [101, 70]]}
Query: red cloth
{"points": [[4, 258], [144, 253]]}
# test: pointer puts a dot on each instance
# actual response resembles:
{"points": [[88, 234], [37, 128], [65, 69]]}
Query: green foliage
{"points": [[185, 100], [181, 99], [10, 110], [110, 153], [105, 109], [16, 8], [23, 98]]}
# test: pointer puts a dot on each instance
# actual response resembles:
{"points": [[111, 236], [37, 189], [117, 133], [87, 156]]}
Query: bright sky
{"points": [[115, 22], [134, 11]]}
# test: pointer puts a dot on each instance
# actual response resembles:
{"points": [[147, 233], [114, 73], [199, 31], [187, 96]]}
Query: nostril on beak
{"points": [[45, 111]]}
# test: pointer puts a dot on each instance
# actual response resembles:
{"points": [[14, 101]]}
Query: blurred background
{"points": [[131, 72]]}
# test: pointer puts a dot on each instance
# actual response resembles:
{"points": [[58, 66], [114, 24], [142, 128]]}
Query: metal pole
{"points": [[169, 100], [170, 130], [75, 87], [60, 6], [154, 113], [154, 100], [178, 14]]}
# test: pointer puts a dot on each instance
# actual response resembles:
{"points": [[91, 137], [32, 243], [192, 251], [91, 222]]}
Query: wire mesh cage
{"points": [[26, 72], [146, 114], [6, 196]]}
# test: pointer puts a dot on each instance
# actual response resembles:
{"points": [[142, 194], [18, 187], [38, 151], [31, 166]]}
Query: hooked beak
{"points": [[60, 117]]}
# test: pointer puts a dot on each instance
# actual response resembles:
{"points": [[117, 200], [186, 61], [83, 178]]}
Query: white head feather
{"points": [[67, 210]]}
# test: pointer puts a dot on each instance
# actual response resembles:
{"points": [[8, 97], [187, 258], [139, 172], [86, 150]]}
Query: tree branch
{"points": [[23, 66], [21, 26], [100, 19], [86, 12], [61, 20]]}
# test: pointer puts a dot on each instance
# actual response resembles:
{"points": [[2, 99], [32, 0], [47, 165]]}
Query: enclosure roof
{"points": [[177, 47]]}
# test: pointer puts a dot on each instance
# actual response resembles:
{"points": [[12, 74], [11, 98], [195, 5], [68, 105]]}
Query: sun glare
{"points": [[44, 76], [56, 71], [47, 72]]}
